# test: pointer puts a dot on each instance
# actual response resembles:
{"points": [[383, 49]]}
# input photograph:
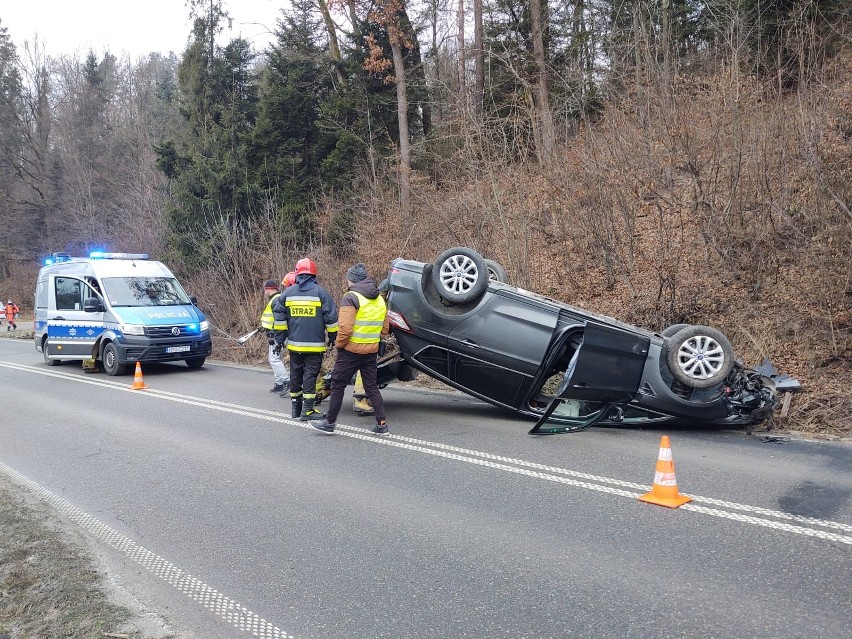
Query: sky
{"points": [[131, 27]]}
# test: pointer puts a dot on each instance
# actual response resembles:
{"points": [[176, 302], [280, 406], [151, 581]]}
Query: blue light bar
{"points": [[55, 258]]}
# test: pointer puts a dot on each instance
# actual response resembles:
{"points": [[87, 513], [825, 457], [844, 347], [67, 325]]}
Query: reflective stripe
{"points": [[303, 300], [267, 320], [369, 320], [306, 347]]}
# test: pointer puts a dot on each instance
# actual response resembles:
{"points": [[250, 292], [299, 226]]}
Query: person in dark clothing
{"points": [[362, 323], [304, 314]]}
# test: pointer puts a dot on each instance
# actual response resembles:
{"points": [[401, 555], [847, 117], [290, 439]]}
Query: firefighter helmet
{"points": [[289, 279], [306, 265]]}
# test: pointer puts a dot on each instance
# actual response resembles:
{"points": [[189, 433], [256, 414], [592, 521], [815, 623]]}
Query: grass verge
{"points": [[49, 582]]}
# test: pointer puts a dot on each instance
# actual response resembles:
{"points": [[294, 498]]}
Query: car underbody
{"points": [[567, 367]]}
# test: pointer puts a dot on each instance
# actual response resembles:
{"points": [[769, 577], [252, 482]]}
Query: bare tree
{"points": [[332, 41], [479, 59], [545, 132]]}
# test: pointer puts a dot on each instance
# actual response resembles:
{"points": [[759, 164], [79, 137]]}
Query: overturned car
{"points": [[457, 322]]}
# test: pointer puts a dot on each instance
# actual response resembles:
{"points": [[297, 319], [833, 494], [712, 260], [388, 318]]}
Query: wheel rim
{"points": [[459, 274], [492, 275], [701, 357], [109, 359]]}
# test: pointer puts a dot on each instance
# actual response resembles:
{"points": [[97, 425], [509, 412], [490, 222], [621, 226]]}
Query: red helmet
{"points": [[289, 279], [306, 265]]}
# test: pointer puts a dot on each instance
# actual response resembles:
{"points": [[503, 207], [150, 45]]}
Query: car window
{"points": [[581, 411], [144, 291], [41, 294], [70, 293]]}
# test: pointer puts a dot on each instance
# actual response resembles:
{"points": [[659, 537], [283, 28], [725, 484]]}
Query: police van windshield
{"points": [[144, 291]]}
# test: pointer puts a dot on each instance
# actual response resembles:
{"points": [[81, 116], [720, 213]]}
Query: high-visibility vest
{"points": [[368, 320], [267, 320]]}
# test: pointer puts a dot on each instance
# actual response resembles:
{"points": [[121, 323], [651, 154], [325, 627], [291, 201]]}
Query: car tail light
{"points": [[397, 320]]}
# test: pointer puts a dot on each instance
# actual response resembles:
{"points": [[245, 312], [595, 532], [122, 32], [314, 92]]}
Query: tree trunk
{"points": [[542, 106], [479, 59], [404, 144], [353, 16], [332, 41], [461, 50]]}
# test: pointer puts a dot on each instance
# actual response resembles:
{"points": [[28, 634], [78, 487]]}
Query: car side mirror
{"points": [[194, 300], [92, 305]]}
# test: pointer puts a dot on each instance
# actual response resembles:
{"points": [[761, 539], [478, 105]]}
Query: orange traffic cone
{"points": [[664, 489], [138, 382]]}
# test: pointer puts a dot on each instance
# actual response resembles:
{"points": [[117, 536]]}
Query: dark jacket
{"points": [[307, 312]]}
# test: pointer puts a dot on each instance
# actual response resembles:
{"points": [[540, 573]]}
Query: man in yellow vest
{"points": [[268, 324], [361, 323]]}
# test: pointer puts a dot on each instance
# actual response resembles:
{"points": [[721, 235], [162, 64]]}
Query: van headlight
{"points": [[132, 329], [205, 326]]}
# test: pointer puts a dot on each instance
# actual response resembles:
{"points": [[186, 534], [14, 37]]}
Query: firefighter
{"points": [[307, 316], [267, 322], [11, 312]]}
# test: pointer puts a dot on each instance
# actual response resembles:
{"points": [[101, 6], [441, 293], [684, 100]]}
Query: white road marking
{"points": [[214, 601], [497, 462]]}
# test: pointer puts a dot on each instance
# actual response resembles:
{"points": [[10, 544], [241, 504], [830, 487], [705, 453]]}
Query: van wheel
{"points": [[110, 359], [195, 362], [47, 360]]}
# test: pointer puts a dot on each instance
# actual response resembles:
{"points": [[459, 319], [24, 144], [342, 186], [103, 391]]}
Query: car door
{"points": [[604, 371], [497, 350], [71, 331]]}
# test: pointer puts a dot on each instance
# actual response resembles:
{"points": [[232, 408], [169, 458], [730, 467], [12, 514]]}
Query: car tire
{"points": [[195, 362], [674, 328], [109, 357], [496, 272], [47, 360], [699, 356], [460, 275]]}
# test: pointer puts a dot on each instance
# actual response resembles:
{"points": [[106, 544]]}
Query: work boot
{"points": [[324, 426], [309, 413], [296, 407], [278, 388], [362, 406]]}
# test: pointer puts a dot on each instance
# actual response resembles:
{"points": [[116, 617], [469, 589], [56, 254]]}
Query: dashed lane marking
{"points": [[212, 600], [564, 476]]}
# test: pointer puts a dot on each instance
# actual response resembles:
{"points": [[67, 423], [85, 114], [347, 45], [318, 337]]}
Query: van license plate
{"points": [[177, 349]]}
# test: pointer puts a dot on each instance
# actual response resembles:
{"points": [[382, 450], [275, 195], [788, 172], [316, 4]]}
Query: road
{"points": [[234, 520]]}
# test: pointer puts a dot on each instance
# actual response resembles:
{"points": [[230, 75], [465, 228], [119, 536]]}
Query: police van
{"points": [[118, 308]]}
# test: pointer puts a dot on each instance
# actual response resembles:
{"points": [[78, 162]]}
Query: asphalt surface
{"points": [[232, 520]]}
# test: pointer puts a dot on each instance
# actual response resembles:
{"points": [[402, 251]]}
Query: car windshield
{"points": [[144, 291]]}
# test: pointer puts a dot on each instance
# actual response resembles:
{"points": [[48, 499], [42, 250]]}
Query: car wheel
{"points": [[699, 356], [195, 362], [496, 272], [460, 275], [674, 328], [109, 357], [47, 360]]}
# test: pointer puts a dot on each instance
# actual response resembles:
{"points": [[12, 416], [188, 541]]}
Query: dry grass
{"points": [[49, 587]]}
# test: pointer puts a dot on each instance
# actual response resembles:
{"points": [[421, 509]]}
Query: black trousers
{"points": [[304, 370], [346, 364]]}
